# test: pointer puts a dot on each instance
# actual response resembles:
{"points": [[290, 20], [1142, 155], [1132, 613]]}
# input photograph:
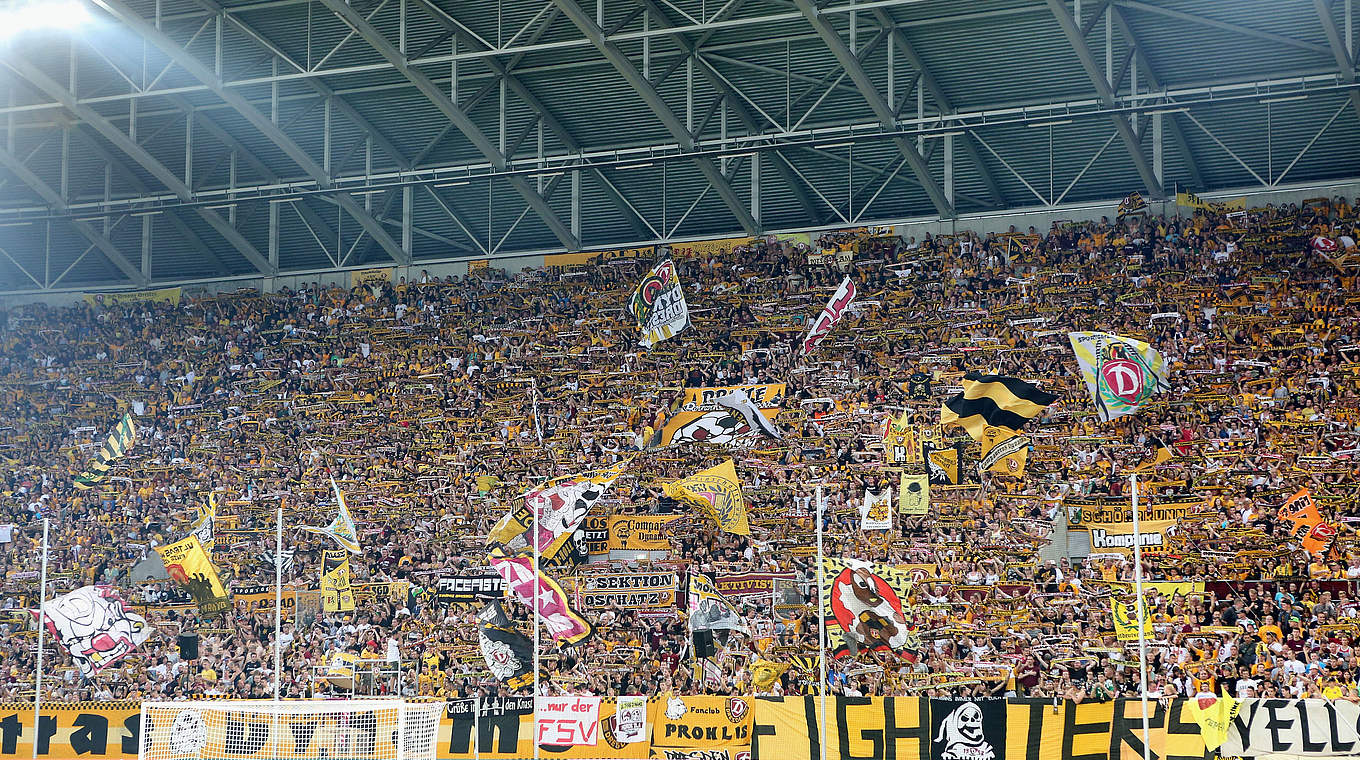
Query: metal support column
{"points": [[949, 168], [148, 221], [576, 204], [407, 219], [1158, 149]]}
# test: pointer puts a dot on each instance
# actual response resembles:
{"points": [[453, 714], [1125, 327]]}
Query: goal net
{"points": [[378, 729]]}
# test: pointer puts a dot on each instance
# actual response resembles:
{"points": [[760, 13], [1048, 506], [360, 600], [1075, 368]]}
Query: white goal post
{"points": [[350, 729]]}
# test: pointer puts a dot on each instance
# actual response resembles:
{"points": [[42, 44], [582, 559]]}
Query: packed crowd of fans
{"points": [[435, 404]]}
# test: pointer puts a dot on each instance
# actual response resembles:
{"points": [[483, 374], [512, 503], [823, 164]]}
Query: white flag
{"points": [[93, 626], [875, 513], [741, 404], [830, 316]]}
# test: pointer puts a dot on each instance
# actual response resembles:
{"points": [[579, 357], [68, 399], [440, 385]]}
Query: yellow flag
{"points": [[1214, 715], [188, 565], [1004, 451], [718, 493], [764, 673], [1126, 621], [336, 593], [942, 464], [913, 495], [900, 441]]}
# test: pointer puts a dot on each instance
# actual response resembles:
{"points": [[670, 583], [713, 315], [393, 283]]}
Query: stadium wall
{"points": [[774, 728], [1039, 217]]}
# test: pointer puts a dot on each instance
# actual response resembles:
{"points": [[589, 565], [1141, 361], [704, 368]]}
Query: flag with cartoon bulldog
{"points": [[967, 730], [864, 602]]}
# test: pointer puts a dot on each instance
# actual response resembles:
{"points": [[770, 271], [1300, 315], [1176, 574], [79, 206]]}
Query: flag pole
{"points": [[42, 629], [278, 600], [1141, 606], [821, 623], [538, 578]]}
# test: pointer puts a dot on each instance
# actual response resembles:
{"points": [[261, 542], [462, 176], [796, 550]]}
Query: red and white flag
{"points": [[830, 316], [542, 593]]}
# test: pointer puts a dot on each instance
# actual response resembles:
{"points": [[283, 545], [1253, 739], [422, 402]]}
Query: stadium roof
{"points": [[174, 140]]}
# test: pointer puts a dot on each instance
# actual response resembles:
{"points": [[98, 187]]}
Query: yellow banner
{"points": [[164, 295], [708, 247], [78, 730], [1036, 728], [677, 728], [913, 494], [712, 725], [804, 238], [863, 727], [646, 253], [1126, 621], [1194, 201], [641, 533], [1084, 510], [336, 594], [1154, 535], [259, 600], [367, 277]]}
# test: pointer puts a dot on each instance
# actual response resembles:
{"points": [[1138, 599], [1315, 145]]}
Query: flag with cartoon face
{"points": [[864, 602], [92, 625]]}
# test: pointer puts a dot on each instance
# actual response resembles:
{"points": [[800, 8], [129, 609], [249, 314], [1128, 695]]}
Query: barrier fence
{"points": [[742, 728]]}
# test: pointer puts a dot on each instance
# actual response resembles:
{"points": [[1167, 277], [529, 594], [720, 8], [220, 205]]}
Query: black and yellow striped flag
{"points": [[994, 400], [120, 439]]}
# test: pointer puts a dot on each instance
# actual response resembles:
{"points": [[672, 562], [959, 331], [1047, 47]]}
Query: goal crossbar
{"points": [[367, 729]]}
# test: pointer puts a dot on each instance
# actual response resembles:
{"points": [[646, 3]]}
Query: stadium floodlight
{"points": [[33, 15]]}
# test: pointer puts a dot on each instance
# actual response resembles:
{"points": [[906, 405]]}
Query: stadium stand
{"points": [[431, 408]]}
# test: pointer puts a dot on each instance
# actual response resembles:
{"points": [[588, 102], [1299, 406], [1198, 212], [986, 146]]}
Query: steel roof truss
{"points": [[1088, 62], [881, 108], [647, 92]]}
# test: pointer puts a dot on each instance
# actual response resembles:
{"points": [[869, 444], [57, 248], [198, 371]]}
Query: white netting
{"points": [[305, 730]]}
